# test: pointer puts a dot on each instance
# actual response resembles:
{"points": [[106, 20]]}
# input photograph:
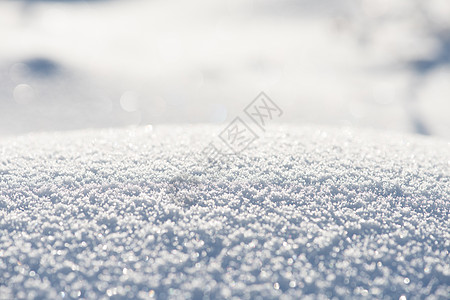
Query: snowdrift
{"points": [[303, 212]]}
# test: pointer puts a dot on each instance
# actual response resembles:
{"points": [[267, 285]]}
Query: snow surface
{"points": [[304, 212], [82, 64]]}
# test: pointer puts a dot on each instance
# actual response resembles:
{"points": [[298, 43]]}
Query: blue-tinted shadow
{"points": [[440, 59], [42, 66]]}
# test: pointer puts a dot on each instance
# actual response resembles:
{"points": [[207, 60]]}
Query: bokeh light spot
{"points": [[129, 101], [18, 72], [23, 94]]}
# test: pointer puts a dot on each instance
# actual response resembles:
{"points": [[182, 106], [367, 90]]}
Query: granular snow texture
{"points": [[303, 212]]}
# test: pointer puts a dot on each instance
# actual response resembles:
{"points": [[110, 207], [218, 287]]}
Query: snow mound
{"points": [[303, 212]]}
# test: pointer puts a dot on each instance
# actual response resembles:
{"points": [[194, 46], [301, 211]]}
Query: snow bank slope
{"points": [[304, 212]]}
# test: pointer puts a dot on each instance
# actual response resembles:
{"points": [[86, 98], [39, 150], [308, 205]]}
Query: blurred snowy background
{"points": [[82, 64]]}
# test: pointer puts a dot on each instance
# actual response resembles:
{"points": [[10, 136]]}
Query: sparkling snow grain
{"points": [[304, 212]]}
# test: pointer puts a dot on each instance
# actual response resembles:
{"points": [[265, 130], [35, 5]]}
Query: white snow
{"points": [[304, 212], [83, 64]]}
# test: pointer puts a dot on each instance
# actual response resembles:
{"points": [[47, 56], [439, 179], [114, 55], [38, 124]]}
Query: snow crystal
{"points": [[303, 212]]}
